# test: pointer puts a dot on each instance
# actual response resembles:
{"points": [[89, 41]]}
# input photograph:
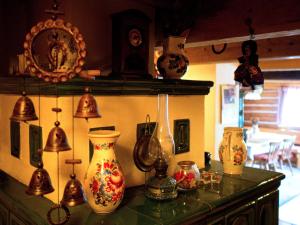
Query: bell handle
{"points": [[73, 161], [57, 207], [56, 109]]}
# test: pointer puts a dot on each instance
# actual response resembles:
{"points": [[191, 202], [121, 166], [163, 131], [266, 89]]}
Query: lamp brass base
{"points": [[161, 188]]}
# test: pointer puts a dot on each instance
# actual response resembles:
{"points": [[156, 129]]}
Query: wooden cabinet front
{"points": [[4, 213], [244, 215], [267, 209]]}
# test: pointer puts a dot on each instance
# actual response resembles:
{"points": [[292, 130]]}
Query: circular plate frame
{"points": [[50, 76]]}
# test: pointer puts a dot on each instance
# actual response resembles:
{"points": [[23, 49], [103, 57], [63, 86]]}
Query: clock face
{"points": [[135, 37]]}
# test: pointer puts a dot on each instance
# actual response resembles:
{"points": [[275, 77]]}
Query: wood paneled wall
{"points": [[266, 110]]}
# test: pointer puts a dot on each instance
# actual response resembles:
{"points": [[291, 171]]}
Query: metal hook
{"points": [[219, 52], [147, 126]]}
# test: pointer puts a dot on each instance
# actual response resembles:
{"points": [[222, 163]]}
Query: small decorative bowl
{"points": [[211, 180], [187, 176]]}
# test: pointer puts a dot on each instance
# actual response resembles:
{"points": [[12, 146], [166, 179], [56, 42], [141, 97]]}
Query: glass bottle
{"points": [[161, 149]]}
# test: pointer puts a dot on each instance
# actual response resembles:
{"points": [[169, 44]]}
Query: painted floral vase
{"points": [[104, 183], [173, 63], [233, 150], [187, 175]]}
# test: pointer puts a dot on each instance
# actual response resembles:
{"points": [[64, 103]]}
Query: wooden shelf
{"points": [[104, 86]]}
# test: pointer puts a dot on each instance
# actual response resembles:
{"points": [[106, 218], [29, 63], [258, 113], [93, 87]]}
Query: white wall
{"points": [[224, 75]]}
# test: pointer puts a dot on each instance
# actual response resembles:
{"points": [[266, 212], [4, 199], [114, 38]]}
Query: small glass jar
{"points": [[187, 175]]}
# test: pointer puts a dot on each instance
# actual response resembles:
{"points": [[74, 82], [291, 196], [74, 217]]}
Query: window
{"points": [[290, 107]]}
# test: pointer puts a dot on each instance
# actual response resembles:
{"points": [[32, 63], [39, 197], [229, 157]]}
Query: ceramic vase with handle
{"points": [[233, 150], [104, 182], [173, 63]]}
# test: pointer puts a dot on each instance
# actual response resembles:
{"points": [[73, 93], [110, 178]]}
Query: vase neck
{"points": [[104, 141], [174, 44]]}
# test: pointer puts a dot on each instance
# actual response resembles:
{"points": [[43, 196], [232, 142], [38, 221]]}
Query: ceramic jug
{"points": [[233, 150], [173, 63], [104, 183]]}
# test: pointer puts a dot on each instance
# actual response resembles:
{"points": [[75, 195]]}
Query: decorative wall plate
{"points": [[54, 50]]}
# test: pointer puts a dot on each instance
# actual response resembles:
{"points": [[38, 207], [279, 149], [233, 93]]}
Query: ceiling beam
{"points": [[244, 38], [271, 48]]}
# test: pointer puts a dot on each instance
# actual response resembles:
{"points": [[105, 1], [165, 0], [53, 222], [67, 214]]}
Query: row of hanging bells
{"points": [[40, 183], [24, 108]]}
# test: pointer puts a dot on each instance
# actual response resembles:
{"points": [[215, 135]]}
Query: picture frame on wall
{"points": [[229, 105], [35, 143]]}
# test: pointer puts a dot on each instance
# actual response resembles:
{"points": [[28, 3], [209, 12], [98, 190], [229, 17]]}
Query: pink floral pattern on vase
{"points": [[104, 146], [238, 155], [108, 183], [233, 150]]}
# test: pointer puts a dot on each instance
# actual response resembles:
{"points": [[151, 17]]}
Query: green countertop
{"points": [[137, 209]]}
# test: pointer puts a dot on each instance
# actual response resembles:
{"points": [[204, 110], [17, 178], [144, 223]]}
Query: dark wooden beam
{"points": [[104, 86], [282, 75], [229, 21]]}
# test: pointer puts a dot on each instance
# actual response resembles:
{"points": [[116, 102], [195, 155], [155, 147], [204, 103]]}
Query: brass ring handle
{"points": [[58, 206]]}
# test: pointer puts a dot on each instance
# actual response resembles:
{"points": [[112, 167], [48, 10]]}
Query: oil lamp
{"points": [[162, 186]]}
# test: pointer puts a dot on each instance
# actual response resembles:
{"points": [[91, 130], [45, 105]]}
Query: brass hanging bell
{"points": [[24, 109], [57, 140], [87, 106], [40, 183], [73, 193]]}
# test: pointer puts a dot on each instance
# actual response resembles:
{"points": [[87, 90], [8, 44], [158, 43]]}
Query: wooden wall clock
{"points": [[130, 44]]}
